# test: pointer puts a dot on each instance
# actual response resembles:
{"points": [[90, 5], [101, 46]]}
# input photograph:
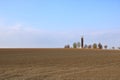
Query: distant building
{"points": [[82, 42]]}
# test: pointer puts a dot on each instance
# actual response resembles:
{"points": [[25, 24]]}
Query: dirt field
{"points": [[59, 64]]}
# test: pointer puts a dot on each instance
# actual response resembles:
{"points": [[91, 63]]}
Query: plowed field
{"points": [[59, 64]]}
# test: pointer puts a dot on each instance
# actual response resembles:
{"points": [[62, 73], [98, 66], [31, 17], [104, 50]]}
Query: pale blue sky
{"points": [[54, 23]]}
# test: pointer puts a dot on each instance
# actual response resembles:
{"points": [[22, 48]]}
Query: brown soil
{"points": [[59, 64]]}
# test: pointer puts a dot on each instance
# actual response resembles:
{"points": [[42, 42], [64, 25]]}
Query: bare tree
{"points": [[67, 46], [113, 47], [85, 46], [89, 46], [100, 46], [105, 46], [118, 47], [78, 44]]}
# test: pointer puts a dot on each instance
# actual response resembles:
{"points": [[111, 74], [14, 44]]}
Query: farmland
{"points": [[59, 64]]}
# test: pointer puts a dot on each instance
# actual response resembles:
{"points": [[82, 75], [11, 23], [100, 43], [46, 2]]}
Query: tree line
{"points": [[81, 45], [94, 46]]}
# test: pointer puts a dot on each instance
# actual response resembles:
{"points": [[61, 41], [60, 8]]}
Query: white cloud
{"points": [[19, 35]]}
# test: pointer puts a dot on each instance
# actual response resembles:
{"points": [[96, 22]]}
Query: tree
{"points": [[100, 46], [118, 47], [67, 46], [94, 46], [78, 44], [85, 46], [82, 42], [113, 47], [74, 45], [89, 46], [105, 46]]}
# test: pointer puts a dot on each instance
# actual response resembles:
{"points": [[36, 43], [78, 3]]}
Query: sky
{"points": [[55, 23]]}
